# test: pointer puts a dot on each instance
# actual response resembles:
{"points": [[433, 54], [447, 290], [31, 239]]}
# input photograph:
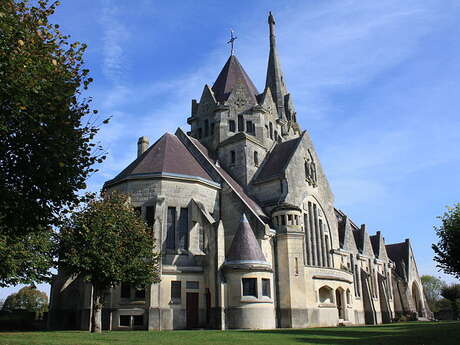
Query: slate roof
{"points": [[167, 155], [399, 254], [278, 160], [244, 247], [232, 74], [253, 205]]}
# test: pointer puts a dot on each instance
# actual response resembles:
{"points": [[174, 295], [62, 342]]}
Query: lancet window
{"points": [[317, 238]]}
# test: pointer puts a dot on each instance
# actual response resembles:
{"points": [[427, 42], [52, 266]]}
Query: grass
{"points": [[413, 333]]}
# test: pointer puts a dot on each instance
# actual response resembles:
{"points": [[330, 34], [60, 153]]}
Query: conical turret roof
{"points": [[245, 249], [231, 75]]}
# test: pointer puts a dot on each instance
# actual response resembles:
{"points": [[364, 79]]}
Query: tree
{"points": [[46, 135], [27, 299], [452, 293], [432, 287], [107, 243], [447, 251]]}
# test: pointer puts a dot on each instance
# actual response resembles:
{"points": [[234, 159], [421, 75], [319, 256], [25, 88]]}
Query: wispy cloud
{"points": [[114, 36]]}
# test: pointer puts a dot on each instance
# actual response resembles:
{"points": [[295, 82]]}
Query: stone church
{"points": [[244, 217]]}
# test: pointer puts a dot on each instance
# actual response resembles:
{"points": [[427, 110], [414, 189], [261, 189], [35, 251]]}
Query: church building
{"points": [[244, 217]]}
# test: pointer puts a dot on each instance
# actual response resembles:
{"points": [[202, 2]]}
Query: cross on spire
{"points": [[231, 41]]}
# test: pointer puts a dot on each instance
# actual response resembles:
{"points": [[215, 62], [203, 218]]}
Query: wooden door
{"points": [[192, 309]]}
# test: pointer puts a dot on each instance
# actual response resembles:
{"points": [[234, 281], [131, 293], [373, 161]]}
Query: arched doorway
{"points": [[340, 302], [417, 299]]}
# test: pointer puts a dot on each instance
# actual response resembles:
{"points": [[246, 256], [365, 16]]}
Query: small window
{"points": [[138, 320], [183, 228], [256, 158], [249, 127], [268, 132], [283, 219], [231, 126], [212, 128], [200, 132], [192, 285], [176, 290], [139, 293], [250, 287], [171, 228], [125, 290], [290, 222], [232, 157], [266, 287], [206, 128], [125, 320], [150, 215], [240, 123], [271, 130], [138, 211], [276, 135]]}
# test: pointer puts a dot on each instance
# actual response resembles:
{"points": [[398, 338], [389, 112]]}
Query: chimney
{"points": [[142, 145]]}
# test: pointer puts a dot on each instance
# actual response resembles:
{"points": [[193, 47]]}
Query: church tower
{"points": [[238, 125]]}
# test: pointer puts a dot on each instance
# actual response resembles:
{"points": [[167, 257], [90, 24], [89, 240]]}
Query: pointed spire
{"points": [[274, 79], [244, 248], [232, 74]]}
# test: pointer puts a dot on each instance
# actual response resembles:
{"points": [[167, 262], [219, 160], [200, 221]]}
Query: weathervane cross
{"points": [[231, 41]]}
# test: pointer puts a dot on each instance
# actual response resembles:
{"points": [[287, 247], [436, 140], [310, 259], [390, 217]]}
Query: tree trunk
{"points": [[96, 321]]}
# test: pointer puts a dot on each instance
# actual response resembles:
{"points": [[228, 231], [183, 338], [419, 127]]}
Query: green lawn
{"points": [[413, 333]]}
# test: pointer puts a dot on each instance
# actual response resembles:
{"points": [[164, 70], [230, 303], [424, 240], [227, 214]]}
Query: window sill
{"points": [[251, 299], [327, 305]]}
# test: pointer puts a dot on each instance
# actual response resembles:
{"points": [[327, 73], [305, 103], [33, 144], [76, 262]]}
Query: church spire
{"points": [[274, 79]]}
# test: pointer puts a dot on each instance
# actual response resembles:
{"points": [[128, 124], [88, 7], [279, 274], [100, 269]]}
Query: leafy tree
{"points": [[107, 243], [46, 135], [447, 250], [452, 293], [27, 299], [432, 287]]}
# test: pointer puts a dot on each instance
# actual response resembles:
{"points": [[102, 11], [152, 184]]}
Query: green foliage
{"points": [[447, 250], [27, 299], [432, 287], [452, 294], [46, 130], [108, 243]]}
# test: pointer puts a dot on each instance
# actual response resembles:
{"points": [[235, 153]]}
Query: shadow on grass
{"points": [[394, 334]]}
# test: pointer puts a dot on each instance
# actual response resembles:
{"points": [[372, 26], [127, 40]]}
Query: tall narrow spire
{"points": [[274, 79]]}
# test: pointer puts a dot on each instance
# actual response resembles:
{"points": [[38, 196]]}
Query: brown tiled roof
{"points": [[278, 159], [167, 155], [244, 247], [232, 74]]}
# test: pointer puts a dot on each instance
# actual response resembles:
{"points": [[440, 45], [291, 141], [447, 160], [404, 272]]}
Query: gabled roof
{"points": [[278, 159], [167, 155], [378, 245], [399, 254], [363, 241], [237, 188], [232, 74], [346, 238], [244, 248]]}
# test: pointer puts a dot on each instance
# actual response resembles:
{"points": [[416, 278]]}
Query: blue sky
{"points": [[375, 83]]}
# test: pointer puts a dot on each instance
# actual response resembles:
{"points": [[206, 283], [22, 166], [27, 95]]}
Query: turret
{"points": [[249, 282]]}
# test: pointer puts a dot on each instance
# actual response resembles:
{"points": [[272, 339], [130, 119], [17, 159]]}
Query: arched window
{"points": [[348, 296], [256, 158], [325, 295]]}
